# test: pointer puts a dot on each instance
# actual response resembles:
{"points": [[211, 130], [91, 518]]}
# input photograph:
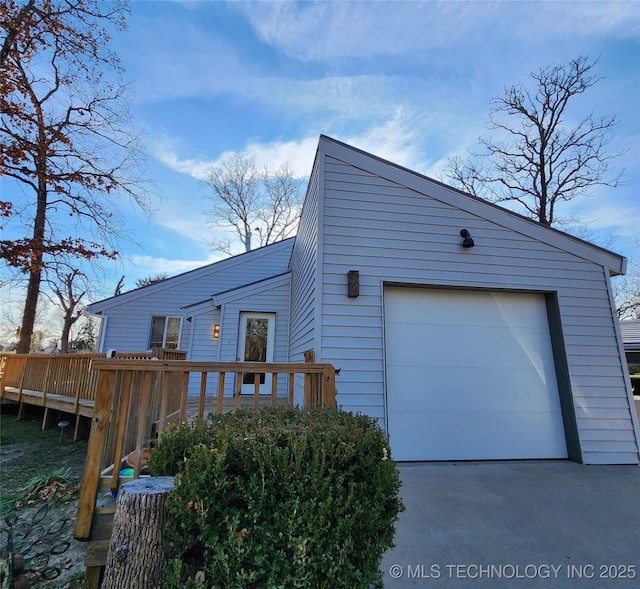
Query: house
{"points": [[630, 330], [508, 349]]}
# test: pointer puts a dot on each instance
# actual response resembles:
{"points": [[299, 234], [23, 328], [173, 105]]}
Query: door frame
{"points": [[558, 346], [247, 388]]}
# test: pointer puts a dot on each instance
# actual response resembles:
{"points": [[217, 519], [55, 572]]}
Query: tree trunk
{"points": [[136, 552], [29, 314], [37, 254], [67, 324]]}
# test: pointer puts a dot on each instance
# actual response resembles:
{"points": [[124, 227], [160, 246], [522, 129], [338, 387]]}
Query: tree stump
{"points": [[136, 550]]}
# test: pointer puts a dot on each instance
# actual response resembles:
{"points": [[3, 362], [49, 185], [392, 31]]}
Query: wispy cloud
{"points": [[298, 153], [162, 149], [622, 220], [323, 30], [407, 136], [142, 265]]}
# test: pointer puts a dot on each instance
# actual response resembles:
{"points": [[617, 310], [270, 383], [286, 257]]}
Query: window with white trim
{"points": [[165, 332]]}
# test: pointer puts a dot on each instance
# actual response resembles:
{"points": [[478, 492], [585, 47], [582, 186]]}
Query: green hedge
{"points": [[278, 497]]}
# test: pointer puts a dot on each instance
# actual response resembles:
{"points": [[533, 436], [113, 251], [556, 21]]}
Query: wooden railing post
{"points": [[147, 383], [23, 375], [122, 418], [238, 391], [256, 390], [203, 393], [87, 499], [183, 397], [274, 389], [45, 388], [292, 387], [220, 399], [309, 389], [329, 387]]}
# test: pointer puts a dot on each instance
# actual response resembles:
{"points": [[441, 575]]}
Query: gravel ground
{"points": [[39, 483]]}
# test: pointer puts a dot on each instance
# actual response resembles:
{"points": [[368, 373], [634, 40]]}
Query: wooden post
{"points": [[90, 480], [220, 399], [239, 377], [329, 388], [136, 551], [183, 398], [274, 389], [309, 389], [203, 393]]}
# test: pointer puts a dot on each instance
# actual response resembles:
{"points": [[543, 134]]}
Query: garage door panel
{"points": [[423, 345], [457, 434], [459, 389], [483, 389], [453, 309]]}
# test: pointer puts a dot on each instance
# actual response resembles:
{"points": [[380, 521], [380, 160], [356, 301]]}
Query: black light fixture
{"points": [[353, 284], [467, 241]]}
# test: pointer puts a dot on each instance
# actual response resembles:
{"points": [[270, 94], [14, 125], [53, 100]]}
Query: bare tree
{"points": [[540, 158], [69, 286], [248, 200], [65, 137], [119, 286], [626, 289]]}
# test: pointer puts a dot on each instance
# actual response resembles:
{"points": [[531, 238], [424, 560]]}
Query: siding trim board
{"points": [[633, 411], [321, 212], [563, 376]]}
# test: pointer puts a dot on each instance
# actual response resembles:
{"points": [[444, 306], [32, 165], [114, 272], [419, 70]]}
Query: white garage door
{"points": [[470, 376]]}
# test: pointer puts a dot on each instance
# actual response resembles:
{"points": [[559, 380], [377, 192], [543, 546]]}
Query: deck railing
{"points": [[137, 400], [35, 377]]}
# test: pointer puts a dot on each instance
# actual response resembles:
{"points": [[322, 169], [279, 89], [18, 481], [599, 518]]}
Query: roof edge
{"points": [[134, 293]]}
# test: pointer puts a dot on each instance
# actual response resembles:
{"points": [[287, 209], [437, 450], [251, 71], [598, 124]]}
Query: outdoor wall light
{"points": [[467, 241], [216, 331], [353, 284]]}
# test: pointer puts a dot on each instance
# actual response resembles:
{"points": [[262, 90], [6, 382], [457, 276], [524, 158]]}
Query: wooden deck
{"points": [[60, 382]]}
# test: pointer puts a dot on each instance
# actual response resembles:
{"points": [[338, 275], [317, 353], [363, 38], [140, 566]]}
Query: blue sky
{"points": [[407, 81]]}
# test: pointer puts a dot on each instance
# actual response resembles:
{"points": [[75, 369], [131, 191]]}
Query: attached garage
{"points": [[470, 375]]}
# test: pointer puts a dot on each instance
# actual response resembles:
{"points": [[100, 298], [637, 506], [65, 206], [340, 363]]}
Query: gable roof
{"points": [[437, 190], [251, 288], [99, 306], [237, 292]]}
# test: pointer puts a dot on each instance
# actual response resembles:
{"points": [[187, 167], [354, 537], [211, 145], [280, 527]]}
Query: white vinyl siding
{"points": [[268, 296], [304, 276], [130, 313], [393, 234]]}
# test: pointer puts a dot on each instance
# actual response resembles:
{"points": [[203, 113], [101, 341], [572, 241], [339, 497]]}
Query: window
{"points": [[165, 332]]}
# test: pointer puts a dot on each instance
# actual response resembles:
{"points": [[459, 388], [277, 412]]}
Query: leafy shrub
{"points": [[278, 497]]}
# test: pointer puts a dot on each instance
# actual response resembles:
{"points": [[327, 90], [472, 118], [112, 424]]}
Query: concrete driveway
{"points": [[516, 524]]}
